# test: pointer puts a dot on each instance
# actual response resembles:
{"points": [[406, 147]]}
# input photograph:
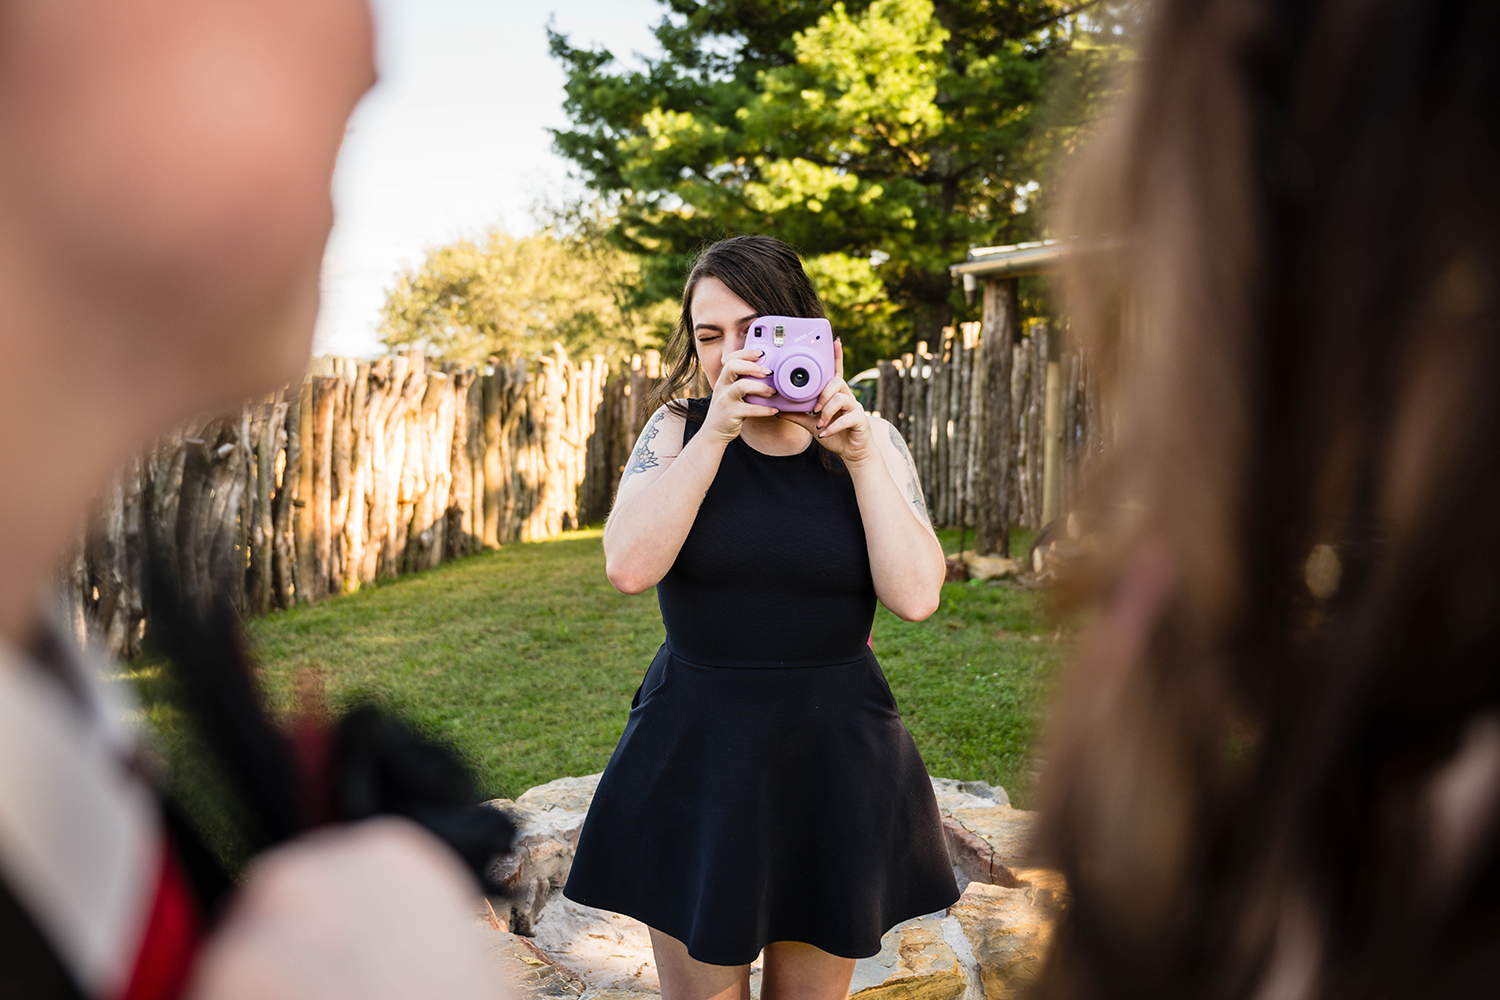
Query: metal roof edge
{"points": [[1022, 258], [1025, 258]]}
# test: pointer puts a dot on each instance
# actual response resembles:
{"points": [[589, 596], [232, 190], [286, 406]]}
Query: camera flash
{"points": [[780, 337]]}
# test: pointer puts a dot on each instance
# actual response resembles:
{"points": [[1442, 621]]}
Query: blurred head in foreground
{"points": [[164, 202], [1275, 770]]}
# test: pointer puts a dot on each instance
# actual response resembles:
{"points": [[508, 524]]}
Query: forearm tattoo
{"points": [[643, 457], [913, 483]]}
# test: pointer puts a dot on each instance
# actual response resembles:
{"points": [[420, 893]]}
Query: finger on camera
{"points": [[734, 388], [835, 388], [831, 410], [750, 387], [736, 362], [751, 356], [753, 379], [836, 400], [746, 367], [847, 422]]}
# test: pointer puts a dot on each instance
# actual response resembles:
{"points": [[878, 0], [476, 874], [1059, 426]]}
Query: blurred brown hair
{"points": [[1274, 769]]}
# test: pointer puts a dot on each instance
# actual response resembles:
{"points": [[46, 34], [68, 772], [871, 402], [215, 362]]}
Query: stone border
{"points": [[987, 946]]}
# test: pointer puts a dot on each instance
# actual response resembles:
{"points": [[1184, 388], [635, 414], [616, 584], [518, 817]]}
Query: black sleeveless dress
{"points": [[765, 788]]}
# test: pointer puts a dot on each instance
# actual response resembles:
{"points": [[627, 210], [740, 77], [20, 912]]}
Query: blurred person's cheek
{"points": [[177, 157]]}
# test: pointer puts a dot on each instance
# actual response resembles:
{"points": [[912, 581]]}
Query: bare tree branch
{"points": [[1075, 9]]}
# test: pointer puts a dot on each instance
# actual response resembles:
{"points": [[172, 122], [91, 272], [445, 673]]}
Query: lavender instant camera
{"points": [[799, 353]]}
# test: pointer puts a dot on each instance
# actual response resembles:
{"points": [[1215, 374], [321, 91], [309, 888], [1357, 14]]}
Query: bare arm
{"points": [[906, 559]]}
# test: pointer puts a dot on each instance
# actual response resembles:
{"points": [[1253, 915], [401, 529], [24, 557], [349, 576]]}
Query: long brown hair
{"points": [[1275, 769], [763, 271]]}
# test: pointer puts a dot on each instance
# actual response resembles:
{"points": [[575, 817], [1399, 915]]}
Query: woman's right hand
{"points": [[733, 400]]}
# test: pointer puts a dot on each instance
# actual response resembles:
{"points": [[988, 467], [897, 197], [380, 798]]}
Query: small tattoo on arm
{"points": [[900, 443], [643, 457], [918, 502], [913, 483]]}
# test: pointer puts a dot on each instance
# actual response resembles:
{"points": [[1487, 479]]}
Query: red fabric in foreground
{"points": [[171, 939]]}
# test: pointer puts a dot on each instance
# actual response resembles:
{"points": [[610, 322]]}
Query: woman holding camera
{"points": [[765, 794]]}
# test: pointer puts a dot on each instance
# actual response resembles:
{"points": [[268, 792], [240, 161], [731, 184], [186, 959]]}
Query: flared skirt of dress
{"points": [[746, 805]]}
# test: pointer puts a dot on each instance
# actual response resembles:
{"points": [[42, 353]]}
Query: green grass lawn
{"points": [[972, 680], [525, 659]]}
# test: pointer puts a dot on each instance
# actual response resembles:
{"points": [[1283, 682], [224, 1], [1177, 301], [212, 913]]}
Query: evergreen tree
{"points": [[882, 138]]}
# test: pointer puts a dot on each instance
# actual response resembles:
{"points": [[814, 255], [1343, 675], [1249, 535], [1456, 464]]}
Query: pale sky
{"points": [[453, 139]]}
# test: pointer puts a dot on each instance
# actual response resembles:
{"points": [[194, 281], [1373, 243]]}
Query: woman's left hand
{"points": [[839, 422]]}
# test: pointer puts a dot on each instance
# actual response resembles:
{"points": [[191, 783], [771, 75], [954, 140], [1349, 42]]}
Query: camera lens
{"points": [[799, 377]]}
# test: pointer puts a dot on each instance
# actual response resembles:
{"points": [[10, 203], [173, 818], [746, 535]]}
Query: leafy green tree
{"points": [[882, 138], [517, 294]]}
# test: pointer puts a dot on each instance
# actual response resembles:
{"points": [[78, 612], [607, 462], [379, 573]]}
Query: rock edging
{"points": [[987, 946]]}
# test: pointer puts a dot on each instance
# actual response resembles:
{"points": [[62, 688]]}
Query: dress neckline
{"points": [[775, 458]]}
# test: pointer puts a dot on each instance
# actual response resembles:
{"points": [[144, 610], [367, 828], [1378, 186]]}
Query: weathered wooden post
{"points": [[1052, 456], [356, 517], [1019, 370], [515, 450], [325, 390], [965, 425], [597, 476], [341, 477], [1037, 433], [386, 378], [992, 393], [283, 511], [490, 403], [268, 441], [411, 468], [475, 443], [459, 524]]}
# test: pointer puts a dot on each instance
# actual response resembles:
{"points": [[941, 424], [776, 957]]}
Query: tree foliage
{"points": [[882, 138], [507, 294]]}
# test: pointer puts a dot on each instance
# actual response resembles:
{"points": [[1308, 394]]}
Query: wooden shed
{"points": [[993, 272]]}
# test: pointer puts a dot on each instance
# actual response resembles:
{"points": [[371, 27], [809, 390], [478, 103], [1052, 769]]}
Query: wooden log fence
{"points": [[932, 398], [365, 471], [368, 470]]}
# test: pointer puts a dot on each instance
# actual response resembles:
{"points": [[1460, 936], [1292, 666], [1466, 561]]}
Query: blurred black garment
{"points": [[366, 763]]}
